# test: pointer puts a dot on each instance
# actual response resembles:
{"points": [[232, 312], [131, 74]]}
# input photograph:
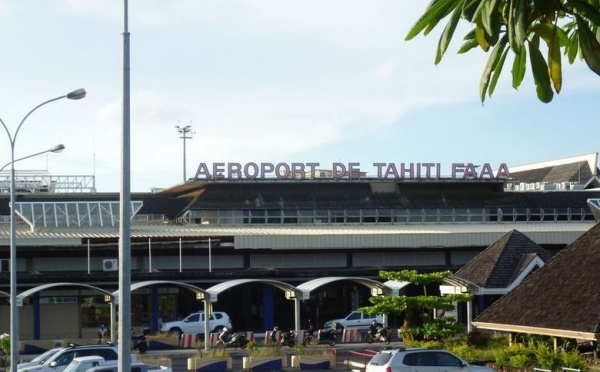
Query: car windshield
{"points": [[40, 359]]}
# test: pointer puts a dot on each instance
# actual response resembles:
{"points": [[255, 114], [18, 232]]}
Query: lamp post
{"points": [[14, 311], [124, 298], [184, 131], [57, 148]]}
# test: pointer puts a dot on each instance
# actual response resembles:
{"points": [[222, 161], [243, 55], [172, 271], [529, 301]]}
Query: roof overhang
{"points": [[563, 333]]}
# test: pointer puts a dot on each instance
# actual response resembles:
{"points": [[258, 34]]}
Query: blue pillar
{"points": [[481, 304], [268, 312], [36, 317], [154, 316]]}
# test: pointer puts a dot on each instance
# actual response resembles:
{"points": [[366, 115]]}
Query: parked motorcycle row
{"points": [[229, 338]]}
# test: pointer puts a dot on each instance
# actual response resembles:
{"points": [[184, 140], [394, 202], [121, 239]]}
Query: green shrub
{"points": [[5, 343], [503, 356], [573, 359], [520, 361], [547, 358], [464, 351], [498, 341], [478, 339]]}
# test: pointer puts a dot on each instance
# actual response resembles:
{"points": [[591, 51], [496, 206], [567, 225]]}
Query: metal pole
{"points": [[15, 302], [14, 310], [184, 165], [124, 363], [184, 136]]}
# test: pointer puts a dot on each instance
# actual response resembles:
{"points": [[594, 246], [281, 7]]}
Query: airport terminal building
{"points": [[286, 222]]}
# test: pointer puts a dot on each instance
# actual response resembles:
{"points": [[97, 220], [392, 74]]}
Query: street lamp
{"points": [[14, 311], [57, 148], [184, 131]]}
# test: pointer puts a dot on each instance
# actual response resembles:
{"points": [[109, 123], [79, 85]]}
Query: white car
{"points": [[420, 360], [56, 360], [355, 320], [96, 363], [194, 323]]}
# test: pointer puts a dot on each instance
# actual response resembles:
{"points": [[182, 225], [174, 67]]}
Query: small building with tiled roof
{"points": [[562, 299], [497, 270]]}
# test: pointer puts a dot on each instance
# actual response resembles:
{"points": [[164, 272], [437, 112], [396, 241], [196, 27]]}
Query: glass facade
{"points": [[384, 216]]}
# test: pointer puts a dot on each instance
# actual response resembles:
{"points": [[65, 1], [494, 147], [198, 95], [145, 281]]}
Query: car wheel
{"points": [[339, 328], [177, 332], [218, 329]]}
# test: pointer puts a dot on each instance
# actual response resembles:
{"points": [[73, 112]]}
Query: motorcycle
{"points": [[287, 338], [233, 339], [326, 336], [138, 343], [381, 334]]}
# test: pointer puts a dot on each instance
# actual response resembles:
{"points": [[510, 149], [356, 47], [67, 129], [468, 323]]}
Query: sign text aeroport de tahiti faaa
{"points": [[401, 171]]}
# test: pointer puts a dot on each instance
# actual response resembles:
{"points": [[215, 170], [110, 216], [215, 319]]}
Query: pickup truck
{"points": [[98, 364], [194, 323], [355, 320]]}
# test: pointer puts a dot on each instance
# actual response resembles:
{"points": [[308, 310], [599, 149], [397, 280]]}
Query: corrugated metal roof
{"points": [[320, 236]]}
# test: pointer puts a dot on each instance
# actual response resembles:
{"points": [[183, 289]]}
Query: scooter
{"points": [[287, 338], [326, 336], [381, 334], [227, 338], [138, 343]]}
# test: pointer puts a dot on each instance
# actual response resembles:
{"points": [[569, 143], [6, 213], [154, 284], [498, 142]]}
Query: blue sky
{"points": [[266, 81]]}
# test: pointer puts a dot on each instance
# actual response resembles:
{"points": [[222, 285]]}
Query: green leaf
{"points": [[490, 10], [436, 11], [490, 66], [520, 21], [554, 62], [468, 9], [573, 47], [519, 67], [470, 35], [480, 36], [497, 71], [468, 45], [510, 27], [448, 33], [547, 31], [539, 69], [590, 48], [586, 10]]}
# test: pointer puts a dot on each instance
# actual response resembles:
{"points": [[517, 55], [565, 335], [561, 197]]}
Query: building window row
{"points": [[384, 216]]}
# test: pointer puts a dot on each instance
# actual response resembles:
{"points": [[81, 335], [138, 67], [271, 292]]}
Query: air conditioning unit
{"points": [[110, 264]]}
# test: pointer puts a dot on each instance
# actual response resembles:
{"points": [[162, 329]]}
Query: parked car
{"points": [[355, 320], [98, 364], [420, 360], [194, 323], [58, 359]]}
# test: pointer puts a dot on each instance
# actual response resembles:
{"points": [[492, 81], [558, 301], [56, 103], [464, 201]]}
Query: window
{"points": [[65, 358], [193, 318], [354, 316], [447, 360]]}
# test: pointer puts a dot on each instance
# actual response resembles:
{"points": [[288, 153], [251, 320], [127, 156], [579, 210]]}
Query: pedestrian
{"points": [[102, 333]]}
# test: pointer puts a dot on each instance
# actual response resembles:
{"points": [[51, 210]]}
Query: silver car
{"points": [[420, 360]]}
